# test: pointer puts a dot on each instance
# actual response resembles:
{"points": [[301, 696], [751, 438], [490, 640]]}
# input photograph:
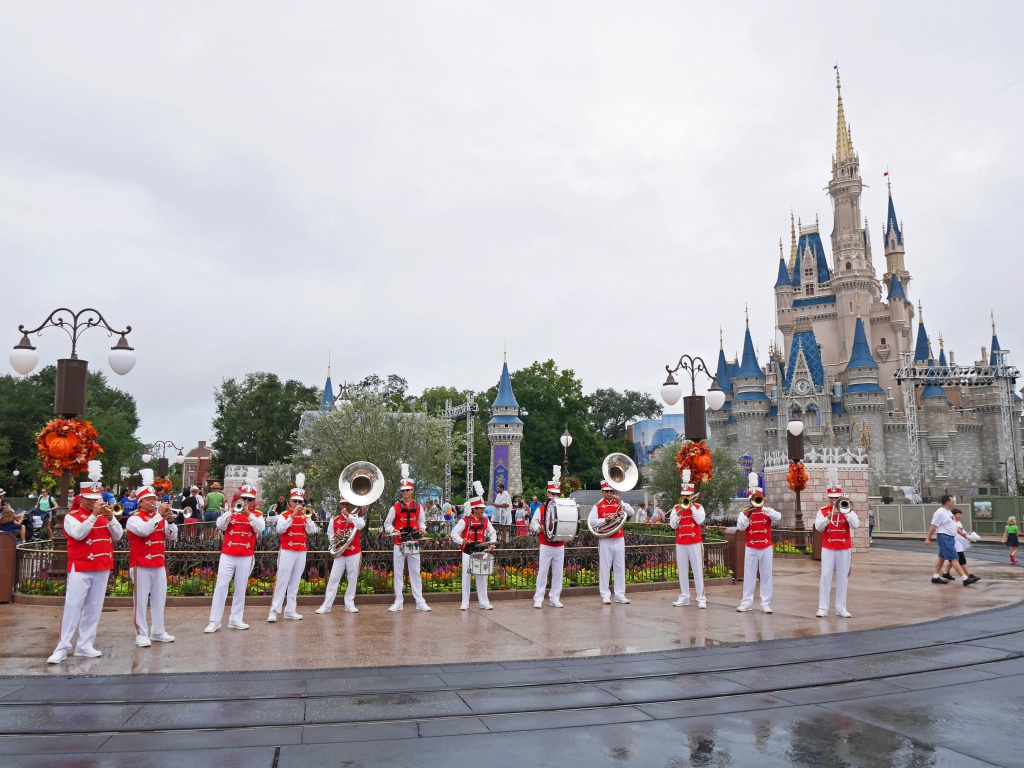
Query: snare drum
{"points": [[481, 563], [411, 547], [562, 520]]}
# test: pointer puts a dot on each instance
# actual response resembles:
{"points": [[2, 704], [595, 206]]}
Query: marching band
{"points": [[93, 528]]}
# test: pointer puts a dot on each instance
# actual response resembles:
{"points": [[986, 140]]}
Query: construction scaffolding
{"points": [[1001, 376]]}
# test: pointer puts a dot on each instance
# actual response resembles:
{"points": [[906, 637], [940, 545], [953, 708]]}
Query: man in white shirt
{"points": [[962, 541], [502, 519], [944, 526]]}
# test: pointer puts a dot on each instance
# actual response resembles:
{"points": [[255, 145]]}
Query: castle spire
{"points": [[861, 356], [749, 366], [327, 398], [844, 142], [922, 350], [792, 241], [994, 359]]}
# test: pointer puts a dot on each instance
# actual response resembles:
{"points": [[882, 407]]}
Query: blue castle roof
{"points": [[993, 357], [896, 288], [942, 358], [811, 240], [749, 367], [892, 224], [722, 374], [932, 389], [783, 278], [327, 399], [806, 341], [861, 357], [505, 398], [921, 349]]}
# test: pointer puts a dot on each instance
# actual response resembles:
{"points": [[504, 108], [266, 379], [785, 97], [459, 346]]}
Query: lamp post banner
{"points": [[499, 468]]}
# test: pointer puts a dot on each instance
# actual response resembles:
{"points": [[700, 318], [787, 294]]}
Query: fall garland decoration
{"points": [[695, 457], [797, 476], [67, 445], [162, 486]]}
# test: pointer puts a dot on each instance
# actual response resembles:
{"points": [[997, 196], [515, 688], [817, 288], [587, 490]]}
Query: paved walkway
{"points": [[932, 693], [888, 588]]}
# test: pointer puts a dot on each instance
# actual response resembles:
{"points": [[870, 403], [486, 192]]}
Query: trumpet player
{"points": [[348, 561], [294, 527], [406, 518], [473, 533], [148, 532], [835, 522], [552, 553], [611, 549], [686, 519], [241, 525], [92, 530], [757, 521]]}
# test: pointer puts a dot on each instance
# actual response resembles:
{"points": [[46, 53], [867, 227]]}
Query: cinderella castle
{"points": [[841, 337]]}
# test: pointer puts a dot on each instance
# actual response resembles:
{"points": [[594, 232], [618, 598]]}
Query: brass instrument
{"points": [[239, 506], [621, 473], [840, 506], [340, 542], [361, 483], [757, 499], [307, 511], [685, 502]]}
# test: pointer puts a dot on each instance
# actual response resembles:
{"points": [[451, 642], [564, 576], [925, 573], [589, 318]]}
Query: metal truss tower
{"points": [[465, 412]]}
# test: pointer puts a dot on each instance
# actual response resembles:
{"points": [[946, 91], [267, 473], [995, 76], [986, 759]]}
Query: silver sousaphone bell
{"points": [[360, 484]]}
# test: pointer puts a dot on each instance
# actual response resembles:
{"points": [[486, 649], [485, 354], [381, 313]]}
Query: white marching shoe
{"points": [[351, 608], [681, 601], [702, 603], [821, 614], [293, 616], [767, 608], [142, 641], [212, 627], [422, 607], [844, 614], [163, 637], [57, 657], [620, 599], [89, 653], [555, 604], [487, 607], [271, 618], [606, 600], [538, 603], [743, 608], [323, 609], [237, 625], [396, 607]]}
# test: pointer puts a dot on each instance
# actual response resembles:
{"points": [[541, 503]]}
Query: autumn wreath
{"points": [[162, 486], [797, 476], [67, 445], [695, 457]]}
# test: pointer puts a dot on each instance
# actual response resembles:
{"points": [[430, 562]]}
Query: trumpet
{"points": [[307, 511], [685, 502], [757, 499], [239, 506], [840, 506]]}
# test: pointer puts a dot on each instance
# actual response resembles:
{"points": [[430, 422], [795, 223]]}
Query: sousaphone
{"points": [[360, 484], [621, 473]]}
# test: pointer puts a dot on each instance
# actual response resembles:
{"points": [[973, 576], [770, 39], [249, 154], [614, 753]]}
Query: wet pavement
{"points": [[947, 690]]}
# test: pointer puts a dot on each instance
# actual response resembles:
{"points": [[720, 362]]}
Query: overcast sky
{"points": [[404, 185]]}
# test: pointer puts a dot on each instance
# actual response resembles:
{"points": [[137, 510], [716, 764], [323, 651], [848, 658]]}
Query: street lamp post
{"points": [[694, 405], [566, 441], [795, 449], [162, 464], [72, 372]]}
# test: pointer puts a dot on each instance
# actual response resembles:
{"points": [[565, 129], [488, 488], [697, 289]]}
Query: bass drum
{"points": [[562, 520]]}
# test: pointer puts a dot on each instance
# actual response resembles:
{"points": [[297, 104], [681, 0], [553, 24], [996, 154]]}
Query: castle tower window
{"points": [[849, 266], [809, 290]]}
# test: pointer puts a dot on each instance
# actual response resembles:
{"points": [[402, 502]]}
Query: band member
{"points": [[92, 530], [241, 525], [148, 531], [612, 549], [473, 533], [294, 527], [836, 547], [348, 561], [687, 517], [406, 519], [552, 553], [757, 521]]}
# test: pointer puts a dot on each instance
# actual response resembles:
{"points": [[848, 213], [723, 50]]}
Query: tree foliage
{"points": [[256, 417], [662, 479], [26, 405]]}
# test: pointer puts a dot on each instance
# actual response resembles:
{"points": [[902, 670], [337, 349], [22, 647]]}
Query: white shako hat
{"points": [[92, 488], [835, 490], [248, 489], [298, 492], [605, 486], [477, 502], [752, 484], [407, 483], [555, 485], [146, 489], [687, 488]]}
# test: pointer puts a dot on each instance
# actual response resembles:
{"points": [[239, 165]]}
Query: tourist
{"points": [[91, 530], [611, 550], [148, 531], [836, 547], [641, 513], [1010, 537], [214, 508], [758, 553], [502, 512], [534, 506], [687, 519], [944, 525], [449, 516], [962, 543], [521, 511], [658, 515], [474, 533], [871, 525], [236, 556], [405, 522], [46, 505], [294, 528], [348, 561], [12, 522], [552, 553]]}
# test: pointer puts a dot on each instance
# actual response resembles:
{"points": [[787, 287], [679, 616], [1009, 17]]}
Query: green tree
{"points": [[662, 479], [611, 411], [255, 419]]}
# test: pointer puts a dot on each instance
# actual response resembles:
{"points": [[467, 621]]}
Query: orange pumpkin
{"points": [[61, 446]]}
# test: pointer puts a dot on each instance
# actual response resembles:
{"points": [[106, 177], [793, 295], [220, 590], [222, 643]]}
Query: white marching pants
{"points": [[757, 561], [467, 586], [837, 560], [690, 556], [612, 553], [290, 564], [231, 567], [83, 604], [348, 565], [415, 582], [550, 558], [150, 587]]}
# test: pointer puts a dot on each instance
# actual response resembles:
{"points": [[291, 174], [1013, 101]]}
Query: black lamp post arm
{"points": [[74, 324], [163, 445], [692, 366]]}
